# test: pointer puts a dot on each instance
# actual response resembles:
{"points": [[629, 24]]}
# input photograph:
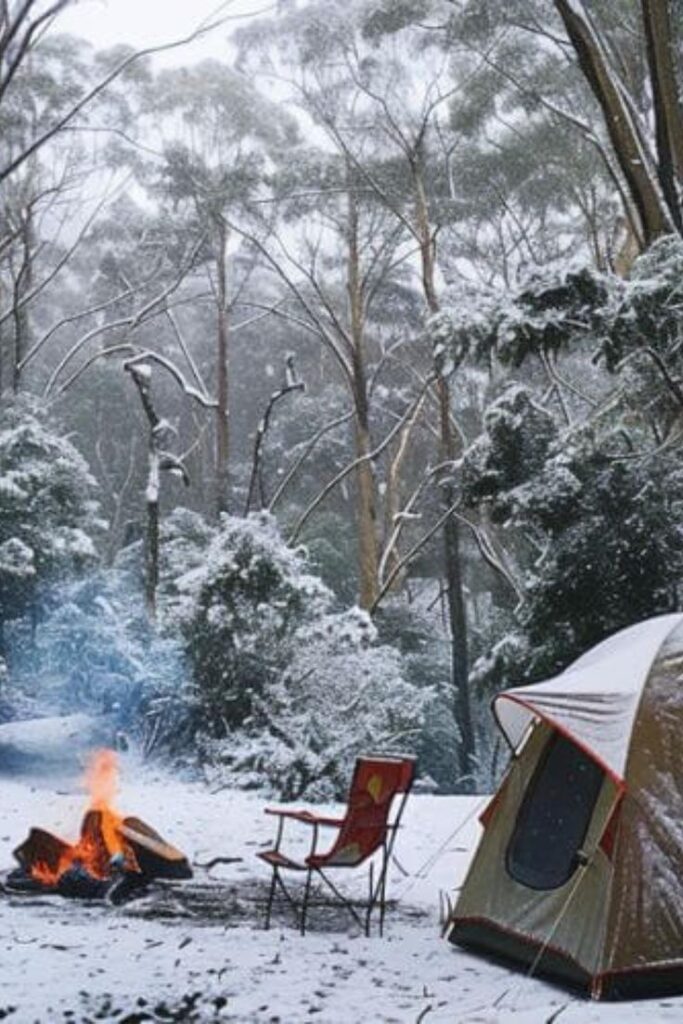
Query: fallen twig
{"points": [[216, 860]]}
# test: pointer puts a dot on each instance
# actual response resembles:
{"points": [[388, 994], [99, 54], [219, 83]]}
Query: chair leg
{"points": [[341, 899], [271, 897], [381, 891], [383, 901], [304, 905], [371, 898]]}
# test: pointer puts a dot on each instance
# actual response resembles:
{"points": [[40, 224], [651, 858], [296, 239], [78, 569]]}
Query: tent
{"points": [[579, 872]]}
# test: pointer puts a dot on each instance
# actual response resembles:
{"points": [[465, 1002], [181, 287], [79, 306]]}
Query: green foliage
{"points": [[47, 86], [331, 545], [646, 310], [426, 651], [513, 447], [48, 515], [342, 694], [616, 556], [550, 311], [612, 552], [227, 129], [239, 610], [389, 16]]}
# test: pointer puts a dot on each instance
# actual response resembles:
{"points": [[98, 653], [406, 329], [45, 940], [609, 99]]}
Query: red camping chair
{"points": [[367, 827]]}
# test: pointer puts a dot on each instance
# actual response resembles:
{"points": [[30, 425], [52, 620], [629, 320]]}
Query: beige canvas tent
{"points": [[579, 873]]}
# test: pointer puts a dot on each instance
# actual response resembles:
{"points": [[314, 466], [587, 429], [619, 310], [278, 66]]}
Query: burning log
{"points": [[155, 857], [43, 856]]}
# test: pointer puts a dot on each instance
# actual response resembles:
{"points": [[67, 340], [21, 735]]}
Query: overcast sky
{"points": [[142, 23]]}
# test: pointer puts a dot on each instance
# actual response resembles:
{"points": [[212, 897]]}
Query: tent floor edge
{"points": [[503, 945], [648, 981]]}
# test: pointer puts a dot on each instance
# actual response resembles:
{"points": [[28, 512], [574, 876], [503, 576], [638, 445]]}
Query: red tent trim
{"points": [[562, 729]]}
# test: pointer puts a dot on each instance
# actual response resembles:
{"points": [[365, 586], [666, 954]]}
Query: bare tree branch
{"points": [[311, 445], [61, 122], [369, 457]]}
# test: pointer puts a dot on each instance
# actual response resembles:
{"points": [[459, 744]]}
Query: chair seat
{"points": [[306, 816], [279, 860]]}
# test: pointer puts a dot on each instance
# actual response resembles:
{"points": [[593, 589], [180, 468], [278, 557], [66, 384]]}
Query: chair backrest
{"points": [[376, 781]]}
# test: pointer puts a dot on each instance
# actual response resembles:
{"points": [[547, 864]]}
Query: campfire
{"points": [[114, 857]]}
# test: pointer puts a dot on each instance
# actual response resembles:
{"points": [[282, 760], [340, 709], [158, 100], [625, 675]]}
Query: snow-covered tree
{"points": [[48, 514], [239, 609], [596, 528], [610, 554]]}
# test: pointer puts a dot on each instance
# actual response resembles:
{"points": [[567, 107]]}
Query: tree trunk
{"points": [[629, 148], [152, 534], [142, 379], [368, 555], [222, 422], [457, 613], [667, 105], [22, 285]]}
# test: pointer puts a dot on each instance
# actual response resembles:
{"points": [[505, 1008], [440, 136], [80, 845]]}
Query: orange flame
{"points": [[97, 846], [102, 780]]}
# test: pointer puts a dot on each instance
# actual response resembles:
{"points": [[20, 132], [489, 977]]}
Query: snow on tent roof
{"points": [[596, 698]]}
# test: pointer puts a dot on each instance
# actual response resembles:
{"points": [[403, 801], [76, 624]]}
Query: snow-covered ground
{"points": [[60, 960]]}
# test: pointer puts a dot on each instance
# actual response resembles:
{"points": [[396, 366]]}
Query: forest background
{"points": [[341, 374]]}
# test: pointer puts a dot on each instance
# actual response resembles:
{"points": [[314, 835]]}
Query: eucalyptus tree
{"points": [[607, 74], [25, 25], [381, 106], [57, 100], [218, 136], [407, 88], [39, 201], [337, 211], [646, 137]]}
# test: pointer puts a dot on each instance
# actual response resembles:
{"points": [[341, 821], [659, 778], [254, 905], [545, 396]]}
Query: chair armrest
{"points": [[306, 816]]}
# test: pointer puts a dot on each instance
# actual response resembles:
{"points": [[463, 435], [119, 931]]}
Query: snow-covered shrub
{"points": [[48, 516], [286, 689], [466, 324], [331, 545], [645, 311], [238, 610], [341, 694], [553, 307], [550, 309]]}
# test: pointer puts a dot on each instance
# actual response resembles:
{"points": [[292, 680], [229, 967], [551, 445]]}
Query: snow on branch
{"points": [[154, 307], [148, 356]]}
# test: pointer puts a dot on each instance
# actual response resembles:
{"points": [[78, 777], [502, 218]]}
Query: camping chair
{"points": [[366, 828]]}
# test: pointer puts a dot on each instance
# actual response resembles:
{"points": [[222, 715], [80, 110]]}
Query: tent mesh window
{"points": [[554, 816]]}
